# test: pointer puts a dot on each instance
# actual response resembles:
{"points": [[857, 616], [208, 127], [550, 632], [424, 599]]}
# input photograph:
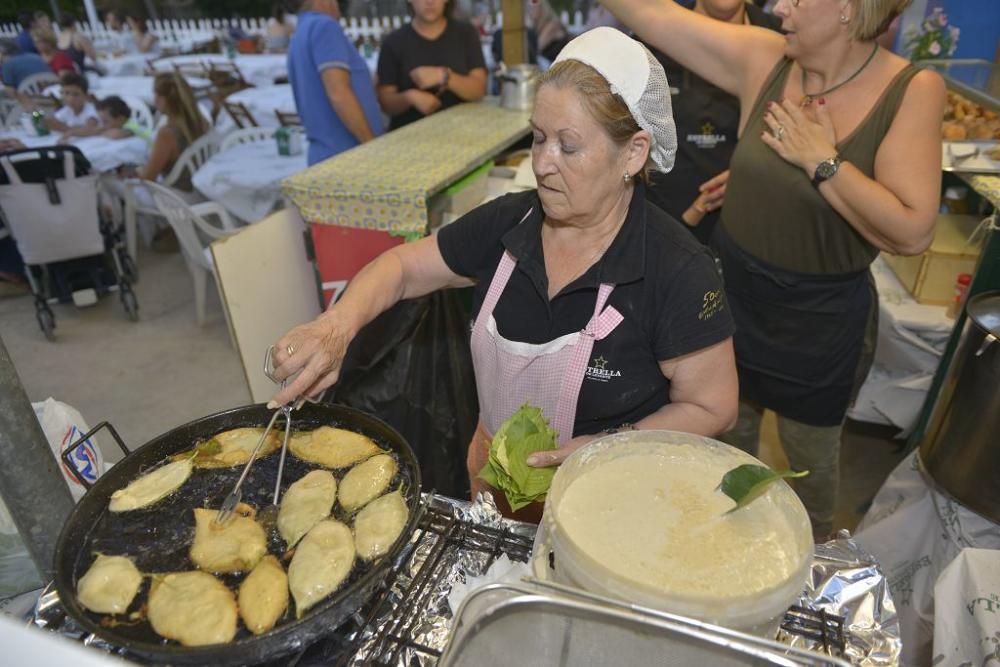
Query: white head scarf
{"points": [[637, 77]]}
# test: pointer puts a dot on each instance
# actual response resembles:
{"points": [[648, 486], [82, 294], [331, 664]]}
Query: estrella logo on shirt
{"points": [[599, 371], [708, 138], [84, 457]]}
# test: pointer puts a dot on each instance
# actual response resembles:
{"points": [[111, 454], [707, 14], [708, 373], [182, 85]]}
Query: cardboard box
{"points": [[931, 277]]}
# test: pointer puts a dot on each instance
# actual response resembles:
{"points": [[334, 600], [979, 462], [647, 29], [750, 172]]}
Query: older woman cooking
{"points": [[839, 158], [591, 304]]}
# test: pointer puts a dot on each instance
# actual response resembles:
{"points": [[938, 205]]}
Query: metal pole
{"points": [[31, 484]]}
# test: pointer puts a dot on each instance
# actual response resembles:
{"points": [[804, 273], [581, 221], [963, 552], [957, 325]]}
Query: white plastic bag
{"points": [[63, 425]]}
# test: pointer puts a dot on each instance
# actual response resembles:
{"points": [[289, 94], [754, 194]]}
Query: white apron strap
{"points": [[497, 285], [12, 175]]}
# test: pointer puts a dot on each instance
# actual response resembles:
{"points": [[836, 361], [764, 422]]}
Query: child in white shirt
{"points": [[77, 117]]}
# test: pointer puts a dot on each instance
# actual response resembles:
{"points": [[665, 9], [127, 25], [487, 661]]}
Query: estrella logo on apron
{"points": [[84, 457]]}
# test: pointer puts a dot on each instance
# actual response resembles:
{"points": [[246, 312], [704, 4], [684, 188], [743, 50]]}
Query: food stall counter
{"points": [[372, 197]]}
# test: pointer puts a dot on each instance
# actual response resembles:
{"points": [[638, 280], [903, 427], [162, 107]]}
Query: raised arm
{"points": [[405, 272], [734, 58]]}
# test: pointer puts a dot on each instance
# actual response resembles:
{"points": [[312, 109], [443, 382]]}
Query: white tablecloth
{"points": [[258, 69], [914, 531], [104, 154], [132, 86], [261, 103], [129, 64], [967, 610], [911, 340], [246, 179]]}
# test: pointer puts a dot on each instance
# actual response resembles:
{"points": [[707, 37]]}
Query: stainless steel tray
{"points": [[548, 625], [981, 163]]}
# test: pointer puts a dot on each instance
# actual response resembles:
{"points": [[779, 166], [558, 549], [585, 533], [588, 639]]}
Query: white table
{"points": [[140, 87], [128, 64], [246, 179], [104, 154], [258, 69], [911, 340], [262, 103]]}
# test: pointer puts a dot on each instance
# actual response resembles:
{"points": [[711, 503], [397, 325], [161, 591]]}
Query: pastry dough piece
{"points": [[233, 448], [234, 546], [151, 487], [306, 502], [264, 595], [366, 481], [332, 447], [193, 608], [379, 524], [321, 563], [109, 585]]}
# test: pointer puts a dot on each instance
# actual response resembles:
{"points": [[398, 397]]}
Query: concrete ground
{"points": [[150, 376], [144, 377]]}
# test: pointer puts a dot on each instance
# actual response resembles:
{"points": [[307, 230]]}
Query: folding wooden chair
{"points": [[240, 114], [288, 118]]}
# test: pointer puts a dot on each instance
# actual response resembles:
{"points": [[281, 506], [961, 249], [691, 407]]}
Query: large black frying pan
{"points": [[158, 538]]}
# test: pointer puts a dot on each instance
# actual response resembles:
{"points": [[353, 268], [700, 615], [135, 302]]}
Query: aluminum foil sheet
{"points": [[846, 581], [431, 626]]}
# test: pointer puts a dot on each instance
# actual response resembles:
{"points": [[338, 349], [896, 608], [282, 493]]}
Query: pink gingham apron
{"points": [[510, 374]]}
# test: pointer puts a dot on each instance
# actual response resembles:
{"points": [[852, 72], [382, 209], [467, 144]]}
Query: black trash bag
{"points": [[412, 368]]}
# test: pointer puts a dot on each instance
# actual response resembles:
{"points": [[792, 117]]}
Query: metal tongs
{"points": [[236, 495]]}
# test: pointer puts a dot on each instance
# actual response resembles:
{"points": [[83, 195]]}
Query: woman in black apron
{"points": [[707, 121]]}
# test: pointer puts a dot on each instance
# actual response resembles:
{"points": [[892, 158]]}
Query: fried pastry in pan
{"points": [[332, 447], [379, 524], [193, 608], [110, 585], [366, 481], [306, 502], [322, 562], [234, 546], [232, 448], [264, 595], [151, 487]]}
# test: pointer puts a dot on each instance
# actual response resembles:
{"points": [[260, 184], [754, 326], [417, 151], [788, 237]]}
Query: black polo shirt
{"points": [[666, 287]]}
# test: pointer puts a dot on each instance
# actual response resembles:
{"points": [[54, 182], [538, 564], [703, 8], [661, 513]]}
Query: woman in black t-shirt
{"points": [[432, 63], [589, 303]]}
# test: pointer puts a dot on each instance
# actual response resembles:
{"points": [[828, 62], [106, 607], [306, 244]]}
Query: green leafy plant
{"points": [[933, 39], [747, 482], [524, 433]]}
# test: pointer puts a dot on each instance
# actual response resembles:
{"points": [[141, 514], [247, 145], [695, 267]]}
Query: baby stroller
{"points": [[48, 198]]}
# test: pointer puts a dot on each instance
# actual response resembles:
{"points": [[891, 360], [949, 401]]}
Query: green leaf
{"points": [[209, 447], [522, 434], [748, 482]]}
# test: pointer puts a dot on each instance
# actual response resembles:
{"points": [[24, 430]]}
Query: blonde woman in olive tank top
{"points": [[839, 158]]}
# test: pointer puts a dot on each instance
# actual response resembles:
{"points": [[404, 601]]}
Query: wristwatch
{"points": [[826, 170]]}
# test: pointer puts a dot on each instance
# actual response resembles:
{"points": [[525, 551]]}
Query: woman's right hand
{"points": [[311, 354], [711, 194]]}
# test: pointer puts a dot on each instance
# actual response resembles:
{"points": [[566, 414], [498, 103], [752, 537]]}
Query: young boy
{"points": [[115, 119], [77, 117]]}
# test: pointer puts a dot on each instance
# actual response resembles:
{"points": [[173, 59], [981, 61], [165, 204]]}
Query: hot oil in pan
{"points": [[159, 538]]}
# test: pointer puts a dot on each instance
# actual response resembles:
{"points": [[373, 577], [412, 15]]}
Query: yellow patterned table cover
{"points": [[986, 185], [384, 184]]}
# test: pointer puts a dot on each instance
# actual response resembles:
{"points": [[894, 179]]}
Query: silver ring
{"points": [[779, 132], [290, 349]]}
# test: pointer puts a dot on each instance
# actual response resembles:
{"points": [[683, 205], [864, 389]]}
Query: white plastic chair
{"points": [[140, 112], [191, 159], [246, 136], [37, 83], [194, 233]]}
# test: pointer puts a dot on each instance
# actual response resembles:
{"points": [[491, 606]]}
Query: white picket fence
{"points": [[199, 30]]}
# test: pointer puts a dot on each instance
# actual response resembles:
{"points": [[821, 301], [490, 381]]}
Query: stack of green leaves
{"points": [[524, 433]]}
